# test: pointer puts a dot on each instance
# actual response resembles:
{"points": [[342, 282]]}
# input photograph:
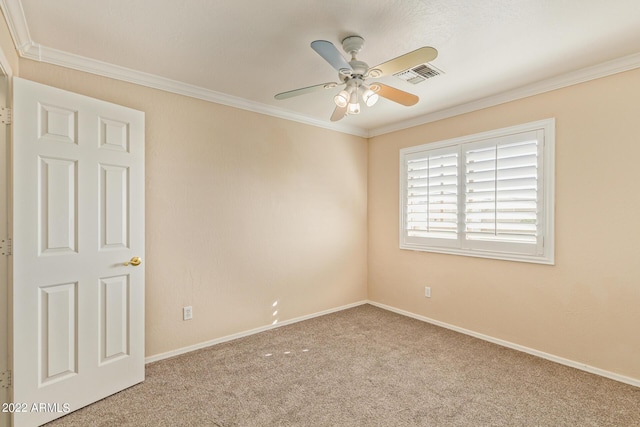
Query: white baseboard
{"points": [[561, 360], [205, 344]]}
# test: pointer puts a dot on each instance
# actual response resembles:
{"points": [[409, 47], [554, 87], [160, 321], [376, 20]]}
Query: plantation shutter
{"points": [[488, 195], [502, 193], [432, 197]]}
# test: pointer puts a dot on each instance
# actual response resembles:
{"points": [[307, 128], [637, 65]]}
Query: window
{"points": [[487, 195]]}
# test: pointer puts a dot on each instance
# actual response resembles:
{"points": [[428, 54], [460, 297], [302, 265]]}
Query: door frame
{"points": [[6, 74]]}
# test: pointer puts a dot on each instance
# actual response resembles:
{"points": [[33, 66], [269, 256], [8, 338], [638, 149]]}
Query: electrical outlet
{"points": [[427, 292], [187, 313]]}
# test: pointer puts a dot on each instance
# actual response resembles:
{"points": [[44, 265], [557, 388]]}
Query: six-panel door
{"points": [[78, 217]]}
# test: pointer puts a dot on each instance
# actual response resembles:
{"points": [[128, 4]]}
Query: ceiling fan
{"points": [[353, 76]]}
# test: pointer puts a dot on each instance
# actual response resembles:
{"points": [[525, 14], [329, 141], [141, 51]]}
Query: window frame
{"points": [[542, 251]]}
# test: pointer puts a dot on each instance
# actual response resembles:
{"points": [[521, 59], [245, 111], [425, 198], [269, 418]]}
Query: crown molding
{"points": [[605, 69], [28, 49], [41, 53], [14, 15]]}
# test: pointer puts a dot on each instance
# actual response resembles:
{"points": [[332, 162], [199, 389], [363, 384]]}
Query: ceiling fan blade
{"points": [[330, 54], [396, 95], [304, 90], [402, 62], [338, 113]]}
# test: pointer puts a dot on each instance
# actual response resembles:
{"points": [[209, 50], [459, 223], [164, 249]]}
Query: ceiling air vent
{"points": [[419, 73]]}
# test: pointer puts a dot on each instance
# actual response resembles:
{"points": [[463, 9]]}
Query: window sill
{"points": [[547, 259]]}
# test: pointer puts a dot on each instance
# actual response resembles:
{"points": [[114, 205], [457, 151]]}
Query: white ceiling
{"points": [[243, 52]]}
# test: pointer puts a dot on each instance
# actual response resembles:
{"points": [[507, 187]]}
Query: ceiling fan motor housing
{"points": [[359, 67]]}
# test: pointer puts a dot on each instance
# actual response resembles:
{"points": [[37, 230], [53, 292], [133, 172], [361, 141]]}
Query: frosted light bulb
{"points": [[370, 97], [341, 99]]}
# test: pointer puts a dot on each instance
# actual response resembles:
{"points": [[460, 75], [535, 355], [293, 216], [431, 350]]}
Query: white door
{"points": [[78, 216]]}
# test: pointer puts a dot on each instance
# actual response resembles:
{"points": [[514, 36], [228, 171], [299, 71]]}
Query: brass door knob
{"points": [[135, 261]]}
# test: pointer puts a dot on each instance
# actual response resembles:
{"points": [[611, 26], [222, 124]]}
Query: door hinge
{"points": [[6, 247], [5, 116], [5, 379]]}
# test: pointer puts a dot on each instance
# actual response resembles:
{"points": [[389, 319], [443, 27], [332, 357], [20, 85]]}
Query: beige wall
{"points": [[586, 308], [242, 210]]}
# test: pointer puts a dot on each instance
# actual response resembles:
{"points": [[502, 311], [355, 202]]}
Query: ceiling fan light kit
{"points": [[353, 74]]}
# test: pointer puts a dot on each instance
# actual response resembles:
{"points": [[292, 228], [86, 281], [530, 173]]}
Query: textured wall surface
{"points": [[242, 211], [586, 307]]}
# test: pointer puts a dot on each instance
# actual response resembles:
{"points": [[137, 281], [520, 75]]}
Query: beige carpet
{"points": [[363, 367]]}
